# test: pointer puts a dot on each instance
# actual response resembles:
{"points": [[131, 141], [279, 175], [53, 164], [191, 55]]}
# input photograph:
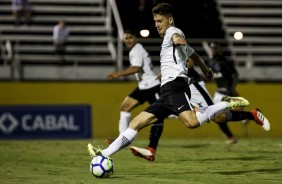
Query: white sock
{"points": [[208, 113], [124, 121], [123, 140]]}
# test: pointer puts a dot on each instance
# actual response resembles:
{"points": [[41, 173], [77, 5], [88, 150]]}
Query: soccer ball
{"points": [[101, 166]]}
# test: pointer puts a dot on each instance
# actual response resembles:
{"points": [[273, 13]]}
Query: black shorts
{"points": [[147, 95], [174, 100]]}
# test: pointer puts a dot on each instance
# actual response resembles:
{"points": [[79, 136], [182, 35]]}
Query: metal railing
{"points": [[117, 18]]}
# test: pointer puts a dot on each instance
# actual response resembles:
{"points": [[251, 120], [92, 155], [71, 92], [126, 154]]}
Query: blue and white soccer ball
{"points": [[101, 166]]}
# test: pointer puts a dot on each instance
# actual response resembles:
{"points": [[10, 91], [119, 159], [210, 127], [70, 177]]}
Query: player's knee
{"points": [[142, 120], [192, 124], [125, 108], [134, 125], [219, 118]]}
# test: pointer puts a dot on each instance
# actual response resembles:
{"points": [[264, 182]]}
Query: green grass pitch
{"points": [[178, 161]]}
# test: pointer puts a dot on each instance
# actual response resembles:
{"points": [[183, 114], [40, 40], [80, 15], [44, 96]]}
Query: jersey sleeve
{"points": [[189, 50], [135, 57], [182, 49]]}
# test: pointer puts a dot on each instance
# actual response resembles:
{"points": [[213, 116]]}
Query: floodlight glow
{"points": [[238, 35], [144, 33]]}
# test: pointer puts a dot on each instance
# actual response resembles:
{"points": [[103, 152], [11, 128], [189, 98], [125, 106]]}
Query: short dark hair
{"points": [[132, 32], [165, 9]]}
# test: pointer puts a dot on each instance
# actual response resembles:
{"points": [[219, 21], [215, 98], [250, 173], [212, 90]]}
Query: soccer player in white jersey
{"points": [[148, 89], [200, 97], [175, 92]]}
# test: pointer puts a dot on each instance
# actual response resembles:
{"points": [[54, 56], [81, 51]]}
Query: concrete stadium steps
{"points": [[53, 19], [251, 11], [61, 1], [90, 34], [69, 59], [253, 21], [45, 29], [46, 38], [41, 9], [261, 23], [73, 48]]}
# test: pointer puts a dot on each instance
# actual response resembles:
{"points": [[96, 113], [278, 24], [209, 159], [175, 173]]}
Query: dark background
{"points": [[196, 18]]}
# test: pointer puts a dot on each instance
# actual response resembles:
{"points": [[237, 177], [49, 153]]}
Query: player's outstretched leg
{"points": [[261, 119], [235, 102], [93, 152]]}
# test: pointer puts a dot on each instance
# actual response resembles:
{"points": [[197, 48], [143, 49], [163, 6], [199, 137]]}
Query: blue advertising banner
{"points": [[45, 121]]}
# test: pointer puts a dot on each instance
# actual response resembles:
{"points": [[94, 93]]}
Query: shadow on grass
{"points": [[186, 145], [249, 171], [195, 146], [177, 172], [234, 158]]}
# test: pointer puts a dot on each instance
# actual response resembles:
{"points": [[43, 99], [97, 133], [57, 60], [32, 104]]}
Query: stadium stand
{"points": [[261, 23], [93, 39], [89, 42]]}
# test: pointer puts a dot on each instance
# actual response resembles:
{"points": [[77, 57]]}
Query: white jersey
{"points": [[60, 34], [174, 59], [146, 78]]}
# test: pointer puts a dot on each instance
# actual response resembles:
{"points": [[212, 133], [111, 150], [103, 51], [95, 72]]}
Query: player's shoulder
{"points": [[137, 47], [134, 50], [173, 30]]}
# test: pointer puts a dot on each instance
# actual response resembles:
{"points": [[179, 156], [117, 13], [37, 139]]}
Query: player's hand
{"points": [[209, 73], [113, 75]]}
